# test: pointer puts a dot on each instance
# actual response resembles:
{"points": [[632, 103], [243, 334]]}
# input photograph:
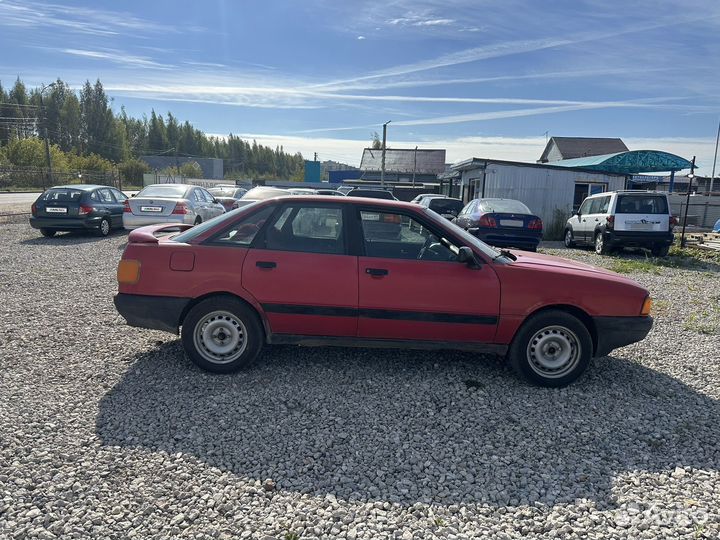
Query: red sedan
{"points": [[318, 270]]}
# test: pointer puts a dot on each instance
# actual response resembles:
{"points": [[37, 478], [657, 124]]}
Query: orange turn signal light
{"points": [[646, 307], [128, 272]]}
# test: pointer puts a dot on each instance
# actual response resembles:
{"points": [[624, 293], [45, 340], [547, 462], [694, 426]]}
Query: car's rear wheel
{"points": [[569, 240], [222, 335], [48, 233], [660, 251], [198, 221], [552, 348], [104, 227], [601, 247]]}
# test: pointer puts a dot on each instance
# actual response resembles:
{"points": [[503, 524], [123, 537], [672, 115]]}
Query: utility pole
{"points": [[45, 133], [712, 176], [315, 157], [687, 201], [414, 166], [382, 169]]}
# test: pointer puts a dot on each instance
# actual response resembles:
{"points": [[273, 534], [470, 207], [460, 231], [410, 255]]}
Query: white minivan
{"points": [[616, 219]]}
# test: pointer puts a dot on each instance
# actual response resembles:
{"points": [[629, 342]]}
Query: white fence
{"points": [[703, 210], [149, 179]]}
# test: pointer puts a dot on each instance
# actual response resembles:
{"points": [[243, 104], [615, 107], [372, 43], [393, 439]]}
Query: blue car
{"points": [[716, 227], [502, 223]]}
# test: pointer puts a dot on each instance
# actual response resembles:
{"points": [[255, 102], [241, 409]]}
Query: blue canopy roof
{"points": [[632, 162]]}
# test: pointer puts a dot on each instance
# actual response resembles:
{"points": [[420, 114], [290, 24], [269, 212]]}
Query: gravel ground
{"points": [[107, 431]]}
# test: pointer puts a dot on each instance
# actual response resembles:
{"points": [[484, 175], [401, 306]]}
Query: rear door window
{"points": [[106, 196], [641, 204], [310, 229]]}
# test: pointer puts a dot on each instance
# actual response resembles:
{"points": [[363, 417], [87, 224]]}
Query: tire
{"points": [[660, 251], [222, 335], [569, 239], [104, 227], [48, 233], [552, 348], [600, 245], [198, 221]]}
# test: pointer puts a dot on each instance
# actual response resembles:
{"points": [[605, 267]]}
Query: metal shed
{"points": [[549, 191]]}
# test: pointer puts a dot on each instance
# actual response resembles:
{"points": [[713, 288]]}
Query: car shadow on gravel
{"points": [[73, 237], [408, 426]]}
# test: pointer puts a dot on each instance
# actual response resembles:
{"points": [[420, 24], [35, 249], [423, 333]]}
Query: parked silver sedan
{"points": [[170, 203]]}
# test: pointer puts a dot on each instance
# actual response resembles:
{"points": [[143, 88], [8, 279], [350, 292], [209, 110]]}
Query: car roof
{"points": [[363, 201]]}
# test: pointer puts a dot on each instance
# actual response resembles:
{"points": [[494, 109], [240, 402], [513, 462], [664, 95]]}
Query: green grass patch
{"points": [[630, 266]]}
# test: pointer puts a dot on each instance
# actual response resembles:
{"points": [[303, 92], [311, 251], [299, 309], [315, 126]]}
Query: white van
{"points": [[616, 219]]}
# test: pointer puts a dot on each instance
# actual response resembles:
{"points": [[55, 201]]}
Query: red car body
{"points": [[354, 298]]}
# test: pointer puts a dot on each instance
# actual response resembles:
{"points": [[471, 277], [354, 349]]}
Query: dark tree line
{"points": [[84, 124]]}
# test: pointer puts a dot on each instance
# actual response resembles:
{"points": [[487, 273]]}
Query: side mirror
{"points": [[133, 194], [466, 256]]}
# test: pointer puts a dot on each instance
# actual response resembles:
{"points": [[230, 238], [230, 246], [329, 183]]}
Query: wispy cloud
{"points": [[76, 19], [118, 57]]}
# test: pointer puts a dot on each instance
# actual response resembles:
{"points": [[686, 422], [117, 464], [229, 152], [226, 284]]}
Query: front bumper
{"points": [[614, 332], [66, 224], [639, 239], [153, 312]]}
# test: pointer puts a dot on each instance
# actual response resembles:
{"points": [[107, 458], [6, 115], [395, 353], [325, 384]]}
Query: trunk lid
{"points": [[642, 213], [155, 206]]}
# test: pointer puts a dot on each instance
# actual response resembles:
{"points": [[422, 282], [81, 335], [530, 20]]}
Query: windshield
{"points": [[170, 192], [641, 204], [187, 236], [446, 206], [375, 194], [504, 206], [64, 195], [466, 237]]}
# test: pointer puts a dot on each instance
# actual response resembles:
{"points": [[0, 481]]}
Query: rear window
{"points": [[445, 206], [641, 204], [172, 192], [507, 206], [62, 195]]}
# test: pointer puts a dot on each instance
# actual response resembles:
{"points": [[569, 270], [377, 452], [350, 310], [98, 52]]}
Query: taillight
{"points": [[391, 218], [33, 209], [181, 208], [85, 210], [535, 225], [126, 206], [610, 222], [487, 221], [646, 307], [673, 221], [128, 271]]}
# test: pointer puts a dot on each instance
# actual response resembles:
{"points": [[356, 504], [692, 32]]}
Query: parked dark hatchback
{"points": [[447, 207], [78, 207], [502, 223]]}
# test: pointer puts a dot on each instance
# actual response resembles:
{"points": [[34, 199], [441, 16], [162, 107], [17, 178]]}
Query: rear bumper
{"points": [[153, 312], [508, 237], [65, 224], [132, 221], [614, 332], [640, 239]]}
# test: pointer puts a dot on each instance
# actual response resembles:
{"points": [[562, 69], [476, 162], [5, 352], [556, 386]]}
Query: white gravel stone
{"points": [[108, 431]]}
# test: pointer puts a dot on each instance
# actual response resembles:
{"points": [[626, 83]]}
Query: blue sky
{"points": [[481, 78]]}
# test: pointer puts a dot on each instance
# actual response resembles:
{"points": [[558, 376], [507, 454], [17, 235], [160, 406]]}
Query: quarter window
{"points": [[105, 196], [119, 195]]}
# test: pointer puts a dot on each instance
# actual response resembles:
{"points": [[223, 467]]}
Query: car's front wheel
{"points": [[222, 335], [569, 240], [552, 348]]}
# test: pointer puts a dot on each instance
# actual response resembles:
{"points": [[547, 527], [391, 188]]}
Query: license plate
{"points": [[55, 210], [151, 208], [511, 222]]}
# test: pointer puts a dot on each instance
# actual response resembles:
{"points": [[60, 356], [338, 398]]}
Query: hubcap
{"points": [[104, 227], [599, 243], [568, 238], [220, 337], [553, 351]]}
